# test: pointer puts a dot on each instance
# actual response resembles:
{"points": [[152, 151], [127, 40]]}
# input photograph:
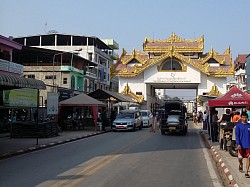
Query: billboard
{"points": [[52, 103], [24, 97]]}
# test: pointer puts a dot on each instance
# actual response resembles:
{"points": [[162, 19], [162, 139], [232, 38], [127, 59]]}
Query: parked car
{"points": [[128, 120], [147, 118]]}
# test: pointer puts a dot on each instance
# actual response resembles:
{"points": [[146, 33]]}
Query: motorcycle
{"points": [[6, 126], [229, 140]]}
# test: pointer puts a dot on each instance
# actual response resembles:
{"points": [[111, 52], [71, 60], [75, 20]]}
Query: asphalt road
{"points": [[116, 159]]}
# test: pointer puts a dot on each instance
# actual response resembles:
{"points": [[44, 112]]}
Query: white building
{"points": [[173, 63], [240, 71]]}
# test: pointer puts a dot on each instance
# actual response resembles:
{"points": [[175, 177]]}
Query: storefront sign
{"points": [[52, 103], [64, 94], [24, 97]]}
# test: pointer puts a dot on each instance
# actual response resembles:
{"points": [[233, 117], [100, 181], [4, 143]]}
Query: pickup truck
{"points": [[174, 118]]}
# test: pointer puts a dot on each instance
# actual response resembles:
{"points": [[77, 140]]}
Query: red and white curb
{"points": [[224, 167]]}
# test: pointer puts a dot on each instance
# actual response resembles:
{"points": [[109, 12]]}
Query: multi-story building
{"points": [[61, 71], [240, 71], [11, 80], [114, 82], [248, 73], [96, 75]]}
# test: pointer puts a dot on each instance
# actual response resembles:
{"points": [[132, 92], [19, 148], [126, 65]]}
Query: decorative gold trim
{"points": [[212, 54], [127, 91], [124, 52], [135, 55], [199, 101], [214, 91], [173, 51], [221, 73], [228, 51], [174, 39], [151, 62], [204, 68]]}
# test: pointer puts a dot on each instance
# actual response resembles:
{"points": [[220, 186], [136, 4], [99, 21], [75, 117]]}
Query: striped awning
{"points": [[20, 82]]}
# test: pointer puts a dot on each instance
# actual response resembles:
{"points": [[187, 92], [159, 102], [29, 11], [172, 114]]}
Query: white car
{"points": [[147, 118]]}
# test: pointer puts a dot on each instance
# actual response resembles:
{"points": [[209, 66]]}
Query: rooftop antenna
{"points": [[45, 27]]}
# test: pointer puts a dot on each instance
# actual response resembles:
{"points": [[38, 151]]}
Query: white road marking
{"points": [[213, 175]]}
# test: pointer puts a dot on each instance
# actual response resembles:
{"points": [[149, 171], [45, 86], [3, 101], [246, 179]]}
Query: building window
{"points": [[73, 82], [50, 76], [138, 93], [96, 58], [85, 85], [5, 55], [172, 65], [31, 76], [65, 81], [90, 56]]}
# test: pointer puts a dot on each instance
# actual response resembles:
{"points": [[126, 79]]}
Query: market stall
{"points": [[79, 102]]}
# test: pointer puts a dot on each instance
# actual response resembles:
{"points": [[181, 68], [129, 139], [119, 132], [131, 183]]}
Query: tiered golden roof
{"points": [[181, 45], [174, 48]]}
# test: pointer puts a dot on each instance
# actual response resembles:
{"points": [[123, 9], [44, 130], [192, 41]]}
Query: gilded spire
{"points": [[228, 51], [127, 91], [214, 91]]}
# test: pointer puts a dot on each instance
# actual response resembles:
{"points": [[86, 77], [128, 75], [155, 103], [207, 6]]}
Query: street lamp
{"points": [[53, 78]]}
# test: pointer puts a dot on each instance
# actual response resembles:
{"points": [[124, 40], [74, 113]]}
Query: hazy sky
{"points": [[223, 23]]}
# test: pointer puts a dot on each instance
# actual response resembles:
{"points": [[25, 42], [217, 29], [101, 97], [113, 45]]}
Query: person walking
{"points": [[248, 113], [225, 118], [195, 117], [204, 121], [236, 117], [243, 142], [112, 117], [214, 127], [104, 119], [154, 125]]}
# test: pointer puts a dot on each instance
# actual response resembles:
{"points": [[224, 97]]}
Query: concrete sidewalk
{"points": [[225, 162], [15, 146]]}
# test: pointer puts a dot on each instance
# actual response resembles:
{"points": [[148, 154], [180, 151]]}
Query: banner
{"points": [[24, 97], [52, 103]]}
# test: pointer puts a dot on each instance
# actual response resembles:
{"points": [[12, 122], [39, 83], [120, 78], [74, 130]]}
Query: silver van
{"points": [[128, 120]]}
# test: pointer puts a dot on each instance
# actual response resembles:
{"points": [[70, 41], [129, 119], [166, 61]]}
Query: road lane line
{"points": [[99, 164], [94, 170], [89, 167]]}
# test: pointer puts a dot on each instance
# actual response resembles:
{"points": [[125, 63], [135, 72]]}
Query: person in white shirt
{"points": [[204, 120]]}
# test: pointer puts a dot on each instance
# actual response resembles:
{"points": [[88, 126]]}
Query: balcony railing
{"points": [[240, 72], [12, 67], [90, 75], [71, 68]]}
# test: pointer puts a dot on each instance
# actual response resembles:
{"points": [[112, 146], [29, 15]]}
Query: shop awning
{"points": [[102, 95], [12, 82]]}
